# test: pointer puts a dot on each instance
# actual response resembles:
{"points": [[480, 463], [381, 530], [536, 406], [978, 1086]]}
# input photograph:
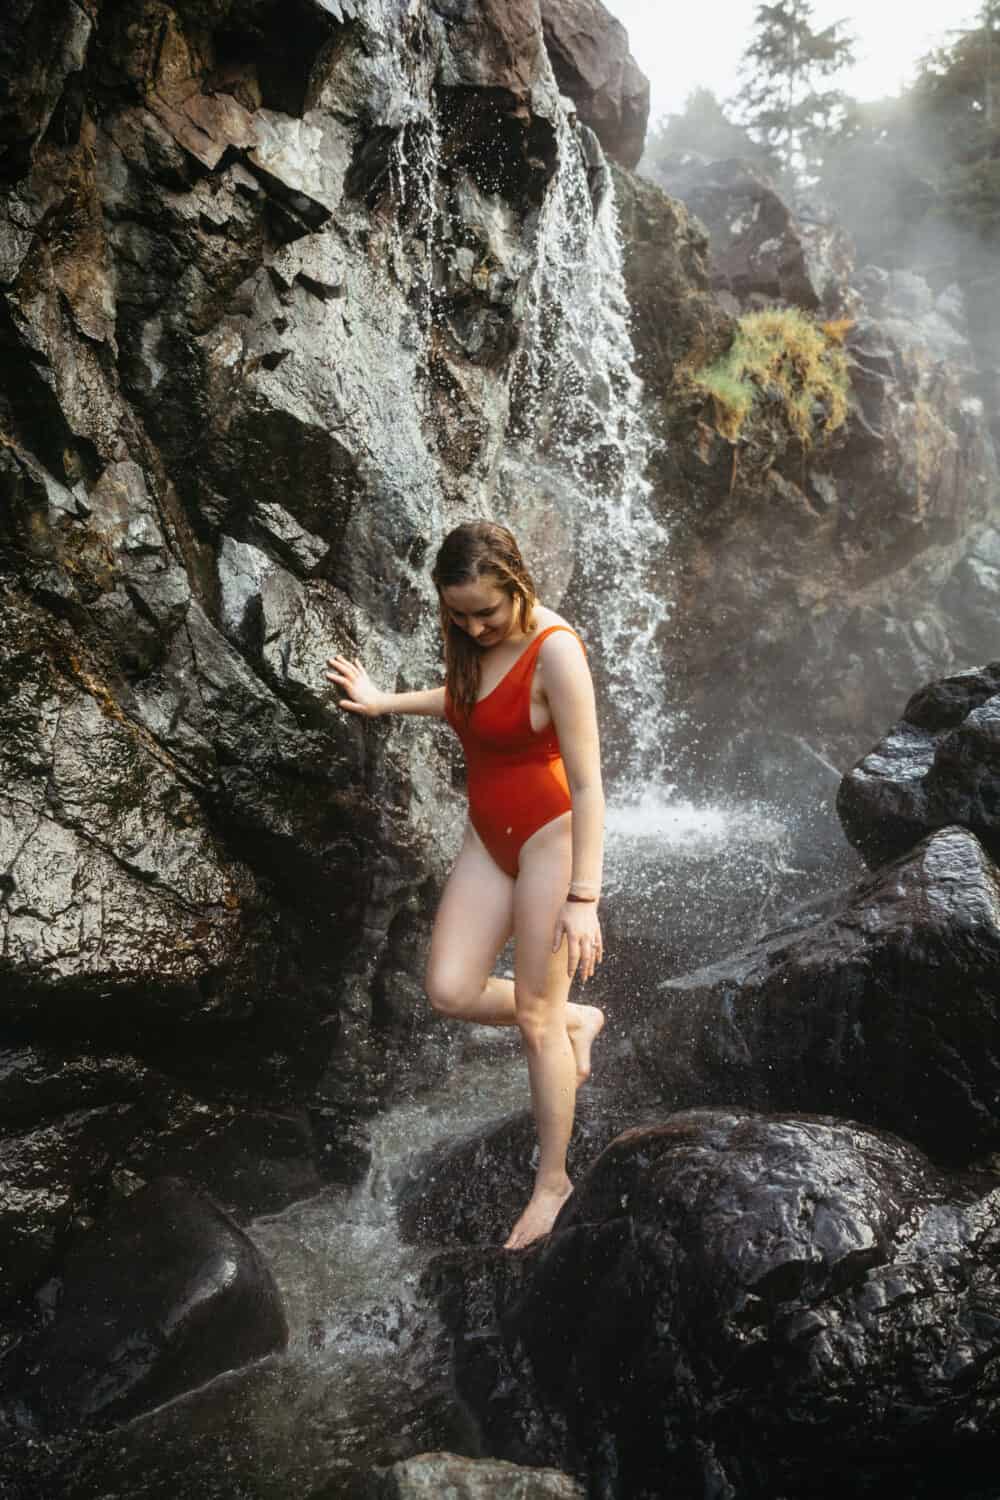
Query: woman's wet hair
{"points": [[474, 551]]}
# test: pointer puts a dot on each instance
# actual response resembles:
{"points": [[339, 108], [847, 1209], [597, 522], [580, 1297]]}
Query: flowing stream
{"points": [[364, 1380]]}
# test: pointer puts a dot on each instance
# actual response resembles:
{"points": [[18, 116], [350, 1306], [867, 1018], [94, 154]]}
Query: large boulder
{"points": [[166, 1293], [81, 1129], [49, 1173], [879, 1002], [588, 49], [736, 1304], [940, 764]]}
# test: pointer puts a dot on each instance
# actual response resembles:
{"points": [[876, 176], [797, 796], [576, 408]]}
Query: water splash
{"points": [[419, 223], [577, 406]]}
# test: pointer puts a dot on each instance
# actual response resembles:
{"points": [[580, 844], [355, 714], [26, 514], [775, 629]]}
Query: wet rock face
{"points": [[229, 444], [733, 1304], [940, 764], [878, 1003], [112, 883], [82, 1129], [590, 58], [166, 1293]]}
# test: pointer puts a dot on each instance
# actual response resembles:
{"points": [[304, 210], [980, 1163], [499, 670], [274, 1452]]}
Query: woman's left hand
{"points": [[577, 923]]}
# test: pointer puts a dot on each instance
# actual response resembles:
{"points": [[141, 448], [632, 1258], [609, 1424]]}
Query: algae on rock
{"points": [[782, 357]]}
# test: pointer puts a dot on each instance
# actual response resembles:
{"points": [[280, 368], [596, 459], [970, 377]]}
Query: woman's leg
{"points": [[473, 922], [541, 989]]}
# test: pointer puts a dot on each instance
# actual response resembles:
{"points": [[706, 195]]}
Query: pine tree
{"points": [[956, 104], [782, 103]]}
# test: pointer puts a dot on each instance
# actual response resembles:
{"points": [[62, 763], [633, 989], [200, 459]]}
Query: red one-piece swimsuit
{"points": [[516, 777]]}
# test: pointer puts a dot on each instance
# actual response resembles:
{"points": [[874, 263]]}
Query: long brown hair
{"points": [[474, 550]]}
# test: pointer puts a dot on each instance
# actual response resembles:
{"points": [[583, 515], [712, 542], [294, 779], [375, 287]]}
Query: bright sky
{"points": [[680, 48]]}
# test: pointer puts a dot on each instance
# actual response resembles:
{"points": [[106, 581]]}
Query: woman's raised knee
{"points": [[448, 993]]}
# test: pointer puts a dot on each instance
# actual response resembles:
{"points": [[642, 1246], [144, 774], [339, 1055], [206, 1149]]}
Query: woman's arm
{"points": [[363, 697], [568, 688]]}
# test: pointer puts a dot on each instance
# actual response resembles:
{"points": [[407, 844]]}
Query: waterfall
{"points": [[577, 408], [414, 171]]}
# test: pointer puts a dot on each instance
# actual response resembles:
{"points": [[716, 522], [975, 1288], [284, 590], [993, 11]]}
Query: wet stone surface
{"points": [[166, 1293], [737, 1304], [878, 1002], [940, 764]]}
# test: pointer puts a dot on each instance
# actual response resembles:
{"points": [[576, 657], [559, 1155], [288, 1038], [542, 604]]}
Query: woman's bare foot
{"points": [[539, 1216], [584, 1025]]}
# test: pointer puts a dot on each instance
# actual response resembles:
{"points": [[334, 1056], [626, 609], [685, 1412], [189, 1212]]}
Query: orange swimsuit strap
{"points": [[516, 777]]}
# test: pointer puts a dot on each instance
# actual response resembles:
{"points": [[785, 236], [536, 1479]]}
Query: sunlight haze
{"points": [[680, 50]]}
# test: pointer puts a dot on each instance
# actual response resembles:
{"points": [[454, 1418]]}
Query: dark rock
{"points": [[250, 1161], [48, 1176], [471, 1192], [939, 765], [760, 247], [108, 1125], [450, 1477], [735, 1304], [589, 52], [38, 1083], [42, 42], [493, 44], [674, 315], [878, 1002], [164, 1294]]}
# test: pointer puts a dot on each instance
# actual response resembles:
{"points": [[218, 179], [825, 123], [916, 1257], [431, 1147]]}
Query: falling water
{"points": [[577, 406], [419, 222], [577, 411]]}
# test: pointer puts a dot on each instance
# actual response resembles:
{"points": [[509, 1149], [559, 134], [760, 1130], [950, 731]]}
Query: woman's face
{"points": [[481, 609]]}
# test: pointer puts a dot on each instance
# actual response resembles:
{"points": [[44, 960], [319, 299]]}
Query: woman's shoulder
{"points": [[563, 645], [545, 619]]}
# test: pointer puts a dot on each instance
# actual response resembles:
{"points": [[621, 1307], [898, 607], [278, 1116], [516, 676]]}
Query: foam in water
{"points": [[673, 825]]}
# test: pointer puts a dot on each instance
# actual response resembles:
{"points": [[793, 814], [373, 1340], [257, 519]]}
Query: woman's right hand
{"points": [[363, 697]]}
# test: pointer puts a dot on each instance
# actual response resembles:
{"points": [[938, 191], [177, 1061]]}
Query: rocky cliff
{"points": [[285, 291], [268, 279], [814, 584]]}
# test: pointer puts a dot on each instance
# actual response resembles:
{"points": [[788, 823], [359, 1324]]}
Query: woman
{"points": [[519, 695]]}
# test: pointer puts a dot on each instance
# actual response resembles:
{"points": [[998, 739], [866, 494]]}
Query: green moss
{"points": [[780, 355]]}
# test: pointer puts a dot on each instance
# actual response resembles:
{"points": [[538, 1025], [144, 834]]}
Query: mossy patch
{"points": [[781, 357]]}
